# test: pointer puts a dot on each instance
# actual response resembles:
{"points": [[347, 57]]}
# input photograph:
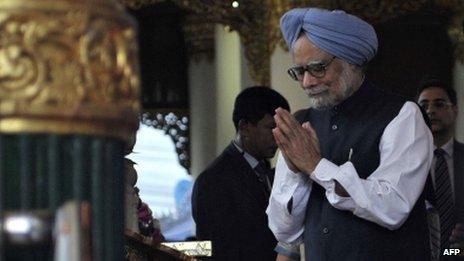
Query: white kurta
{"points": [[386, 197]]}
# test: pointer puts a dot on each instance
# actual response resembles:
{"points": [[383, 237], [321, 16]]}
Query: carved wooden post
{"points": [[69, 87]]}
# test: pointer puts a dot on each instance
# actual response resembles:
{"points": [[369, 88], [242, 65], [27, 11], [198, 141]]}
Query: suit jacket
{"points": [[228, 206], [458, 167], [458, 158]]}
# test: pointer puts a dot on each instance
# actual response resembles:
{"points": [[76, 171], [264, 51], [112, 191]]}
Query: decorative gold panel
{"points": [[257, 21], [456, 34], [68, 67], [199, 37]]}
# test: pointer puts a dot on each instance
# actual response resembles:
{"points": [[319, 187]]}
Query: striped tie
{"points": [[444, 198], [263, 171]]}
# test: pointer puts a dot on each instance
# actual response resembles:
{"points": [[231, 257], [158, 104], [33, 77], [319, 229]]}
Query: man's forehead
{"points": [[433, 93], [304, 51], [267, 120]]}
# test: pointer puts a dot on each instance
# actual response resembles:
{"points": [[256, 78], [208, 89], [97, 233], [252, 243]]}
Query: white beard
{"points": [[327, 100]]}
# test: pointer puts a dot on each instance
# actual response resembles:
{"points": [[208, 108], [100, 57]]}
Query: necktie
{"points": [[444, 198], [263, 171]]}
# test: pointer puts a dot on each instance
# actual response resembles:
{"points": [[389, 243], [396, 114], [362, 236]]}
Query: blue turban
{"points": [[336, 32]]}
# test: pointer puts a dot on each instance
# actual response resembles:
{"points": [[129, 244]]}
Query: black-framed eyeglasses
{"points": [[316, 69], [439, 105]]}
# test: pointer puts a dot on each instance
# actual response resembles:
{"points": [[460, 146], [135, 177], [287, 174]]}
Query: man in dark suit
{"points": [[230, 197], [440, 103]]}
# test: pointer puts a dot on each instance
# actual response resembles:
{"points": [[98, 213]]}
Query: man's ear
{"points": [[243, 126], [455, 110]]}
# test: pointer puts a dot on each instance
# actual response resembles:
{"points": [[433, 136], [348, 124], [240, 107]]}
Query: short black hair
{"points": [[253, 103], [436, 83]]}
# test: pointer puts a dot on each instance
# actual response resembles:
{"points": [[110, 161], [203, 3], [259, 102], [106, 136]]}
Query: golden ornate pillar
{"points": [[257, 22], [68, 67], [69, 100]]}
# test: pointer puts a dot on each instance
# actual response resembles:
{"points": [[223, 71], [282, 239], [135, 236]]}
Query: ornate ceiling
{"points": [[257, 22]]}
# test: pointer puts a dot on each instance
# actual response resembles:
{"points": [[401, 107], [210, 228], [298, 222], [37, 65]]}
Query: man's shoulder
{"points": [[221, 168], [458, 143], [388, 96], [384, 102], [458, 149], [220, 164]]}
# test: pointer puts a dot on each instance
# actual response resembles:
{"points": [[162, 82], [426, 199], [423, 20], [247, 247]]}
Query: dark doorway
{"points": [[162, 55], [412, 47]]}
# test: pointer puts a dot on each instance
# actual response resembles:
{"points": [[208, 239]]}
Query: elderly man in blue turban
{"points": [[351, 170]]}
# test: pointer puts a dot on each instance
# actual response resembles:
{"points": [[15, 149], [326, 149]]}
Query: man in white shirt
{"points": [[440, 103], [350, 176]]}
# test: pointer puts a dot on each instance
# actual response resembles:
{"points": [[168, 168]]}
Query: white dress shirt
{"points": [[250, 159], [386, 197]]}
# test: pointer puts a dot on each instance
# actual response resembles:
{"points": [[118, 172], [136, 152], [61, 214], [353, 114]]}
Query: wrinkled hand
{"points": [[457, 236], [298, 143]]}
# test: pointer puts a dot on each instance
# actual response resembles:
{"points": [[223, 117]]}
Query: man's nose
{"points": [[430, 109], [309, 80], [430, 112]]}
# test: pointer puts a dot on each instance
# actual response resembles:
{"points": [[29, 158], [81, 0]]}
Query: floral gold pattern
{"points": [[257, 21], [68, 67]]}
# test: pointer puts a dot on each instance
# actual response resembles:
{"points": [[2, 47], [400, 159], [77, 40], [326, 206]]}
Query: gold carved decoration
{"points": [[199, 37], [456, 33], [257, 21], [68, 67]]}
